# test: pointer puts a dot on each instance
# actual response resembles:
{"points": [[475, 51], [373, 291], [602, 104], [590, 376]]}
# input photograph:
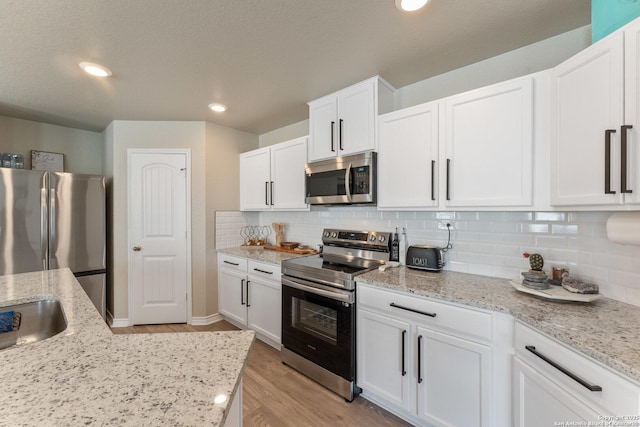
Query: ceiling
{"points": [[264, 59]]}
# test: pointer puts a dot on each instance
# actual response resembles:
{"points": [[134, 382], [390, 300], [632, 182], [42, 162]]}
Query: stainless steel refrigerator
{"points": [[51, 220]]}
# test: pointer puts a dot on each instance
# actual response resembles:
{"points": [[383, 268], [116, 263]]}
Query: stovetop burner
{"points": [[346, 254]]}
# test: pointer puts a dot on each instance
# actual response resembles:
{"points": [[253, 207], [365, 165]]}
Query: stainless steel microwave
{"points": [[342, 181]]}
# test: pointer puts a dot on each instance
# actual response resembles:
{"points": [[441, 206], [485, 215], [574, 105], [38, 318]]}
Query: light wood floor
{"points": [[277, 395]]}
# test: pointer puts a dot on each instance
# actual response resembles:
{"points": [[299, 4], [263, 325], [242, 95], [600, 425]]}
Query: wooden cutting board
{"points": [[299, 251]]}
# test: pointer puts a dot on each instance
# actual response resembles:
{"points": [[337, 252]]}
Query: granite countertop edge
{"points": [[88, 375], [602, 330]]}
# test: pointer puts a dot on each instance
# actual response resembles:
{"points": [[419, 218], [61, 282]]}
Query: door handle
{"points": [[242, 291], [419, 359], [248, 305], [448, 180], [271, 193], [340, 135], [607, 161], [333, 125], [266, 193], [433, 175], [404, 334], [581, 381], [137, 248], [624, 130]]}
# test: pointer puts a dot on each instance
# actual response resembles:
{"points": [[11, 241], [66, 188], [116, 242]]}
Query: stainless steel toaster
{"points": [[428, 258]]}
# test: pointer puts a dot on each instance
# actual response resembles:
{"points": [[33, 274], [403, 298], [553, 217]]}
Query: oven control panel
{"points": [[376, 240]]}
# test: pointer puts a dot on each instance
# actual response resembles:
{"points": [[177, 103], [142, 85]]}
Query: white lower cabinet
{"points": [[553, 384], [250, 296], [417, 359], [234, 413]]}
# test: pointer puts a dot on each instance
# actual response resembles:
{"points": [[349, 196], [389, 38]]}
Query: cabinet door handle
{"points": [[404, 334], [448, 168], [242, 292], [419, 359], [424, 313], [333, 127], [433, 175], [271, 193], [607, 161], [229, 262], [340, 134], [266, 193], [624, 130], [263, 271], [564, 370], [248, 305]]}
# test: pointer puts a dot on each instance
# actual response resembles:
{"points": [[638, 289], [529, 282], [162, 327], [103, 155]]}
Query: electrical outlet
{"points": [[442, 225]]}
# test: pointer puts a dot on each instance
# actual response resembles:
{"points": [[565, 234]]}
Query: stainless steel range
{"points": [[319, 310]]}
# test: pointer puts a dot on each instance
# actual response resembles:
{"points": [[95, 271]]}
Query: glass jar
{"points": [[5, 161], [18, 161]]}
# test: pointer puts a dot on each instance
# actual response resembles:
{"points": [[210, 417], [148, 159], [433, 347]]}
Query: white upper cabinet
{"points": [[476, 150], [344, 123], [272, 178], [594, 153], [488, 146], [407, 158]]}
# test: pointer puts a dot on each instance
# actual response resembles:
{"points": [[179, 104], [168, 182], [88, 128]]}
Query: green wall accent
{"points": [[609, 15]]}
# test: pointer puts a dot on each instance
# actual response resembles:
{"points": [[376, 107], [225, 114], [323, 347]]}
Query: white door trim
{"points": [[187, 153]]}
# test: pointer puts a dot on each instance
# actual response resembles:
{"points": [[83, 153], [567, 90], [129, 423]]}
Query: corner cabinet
{"points": [[468, 151], [272, 178], [415, 355], [250, 296], [596, 104], [553, 384], [344, 122]]}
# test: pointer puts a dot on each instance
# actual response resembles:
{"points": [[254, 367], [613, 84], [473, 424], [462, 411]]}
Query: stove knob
{"points": [[334, 234], [326, 234], [372, 238], [381, 238]]}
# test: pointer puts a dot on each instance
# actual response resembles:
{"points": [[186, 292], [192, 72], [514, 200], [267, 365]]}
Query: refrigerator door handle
{"points": [[53, 263], [44, 229]]}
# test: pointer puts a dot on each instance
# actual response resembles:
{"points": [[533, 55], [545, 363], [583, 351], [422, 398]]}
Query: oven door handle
{"points": [[318, 291]]}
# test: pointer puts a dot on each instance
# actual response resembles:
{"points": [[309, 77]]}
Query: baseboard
{"points": [[207, 320], [118, 323]]}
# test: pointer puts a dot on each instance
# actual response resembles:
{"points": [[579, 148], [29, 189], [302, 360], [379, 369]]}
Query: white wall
{"points": [[82, 149], [484, 243]]}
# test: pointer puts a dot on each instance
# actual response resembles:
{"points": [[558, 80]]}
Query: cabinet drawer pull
{"points": [[419, 359], [433, 175], [624, 130], [242, 291], [404, 334], [340, 134], [229, 262], [607, 161], [333, 126], [263, 271], [564, 370], [393, 304]]}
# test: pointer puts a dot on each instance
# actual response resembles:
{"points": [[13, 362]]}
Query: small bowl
{"points": [[289, 245]]}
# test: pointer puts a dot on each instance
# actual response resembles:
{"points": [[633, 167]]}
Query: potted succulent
{"points": [[535, 277], [536, 262]]}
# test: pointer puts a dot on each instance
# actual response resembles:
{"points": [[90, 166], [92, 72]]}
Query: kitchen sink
{"points": [[33, 321]]}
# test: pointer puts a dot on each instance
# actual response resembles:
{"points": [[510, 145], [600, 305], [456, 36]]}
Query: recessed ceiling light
{"points": [[410, 5], [218, 108], [95, 69]]}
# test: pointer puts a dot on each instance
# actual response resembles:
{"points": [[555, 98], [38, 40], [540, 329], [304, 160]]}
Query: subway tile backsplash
{"points": [[485, 243]]}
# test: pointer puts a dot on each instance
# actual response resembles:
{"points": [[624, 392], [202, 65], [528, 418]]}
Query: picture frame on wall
{"points": [[47, 161]]}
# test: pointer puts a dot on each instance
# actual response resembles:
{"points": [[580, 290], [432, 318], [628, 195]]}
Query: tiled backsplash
{"points": [[485, 243]]}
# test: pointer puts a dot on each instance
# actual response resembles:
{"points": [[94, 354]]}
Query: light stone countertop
{"points": [[88, 376], [606, 330], [258, 253]]}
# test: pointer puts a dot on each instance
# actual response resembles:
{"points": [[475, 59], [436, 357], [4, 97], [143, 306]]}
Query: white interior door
{"points": [[159, 265]]}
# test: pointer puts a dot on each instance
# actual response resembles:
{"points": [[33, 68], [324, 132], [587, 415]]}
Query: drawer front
{"points": [[428, 312], [232, 262], [619, 396], [265, 270]]}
